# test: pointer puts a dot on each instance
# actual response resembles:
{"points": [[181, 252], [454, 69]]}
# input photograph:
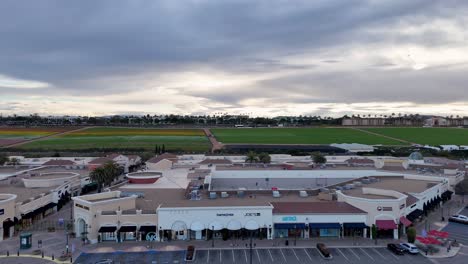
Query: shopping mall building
{"points": [[191, 202]]}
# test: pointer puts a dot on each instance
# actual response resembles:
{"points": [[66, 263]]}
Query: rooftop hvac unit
{"points": [[339, 188], [276, 194], [240, 194], [303, 194], [357, 183], [366, 181], [194, 195], [213, 195], [324, 190], [224, 195]]}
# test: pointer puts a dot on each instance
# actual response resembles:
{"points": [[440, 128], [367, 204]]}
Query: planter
{"points": [[190, 254]]}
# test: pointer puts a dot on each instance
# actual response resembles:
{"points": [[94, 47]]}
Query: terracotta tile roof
{"points": [[215, 161], [411, 200], [59, 163], [113, 155], [158, 158], [315, 208], [102, 160]]}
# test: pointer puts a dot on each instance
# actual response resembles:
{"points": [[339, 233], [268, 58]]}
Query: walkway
{"points": [[215, 144], [44, 137]]}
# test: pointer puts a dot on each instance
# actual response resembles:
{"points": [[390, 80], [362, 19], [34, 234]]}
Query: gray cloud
{"points": [[97, 48]]}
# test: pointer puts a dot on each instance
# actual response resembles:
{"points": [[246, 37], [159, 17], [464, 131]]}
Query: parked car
{"points": [[463, 219], [395, 248], [190, 254], [411, 248], [323, 250]]}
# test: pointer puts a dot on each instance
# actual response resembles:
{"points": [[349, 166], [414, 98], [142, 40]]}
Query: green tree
{"points": [[251, 157], [3, 159], [104, 175], [163, 150], [14, 161], [318, 158], [264, 158], [411, 234], [462, 188]]}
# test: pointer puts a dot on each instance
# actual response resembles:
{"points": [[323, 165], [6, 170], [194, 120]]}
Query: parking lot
{"points": [[458, 231], [260, 255]]}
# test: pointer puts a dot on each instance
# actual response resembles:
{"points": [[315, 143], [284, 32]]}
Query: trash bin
{"points": [[286, 242], [25, 240]]}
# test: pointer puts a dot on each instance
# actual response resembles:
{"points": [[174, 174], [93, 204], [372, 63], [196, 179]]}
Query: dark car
{"points": [[395, 248]]}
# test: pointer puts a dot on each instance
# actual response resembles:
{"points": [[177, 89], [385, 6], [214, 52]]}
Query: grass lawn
{"points": [[125, 138], [426, 135], [298, 136]]}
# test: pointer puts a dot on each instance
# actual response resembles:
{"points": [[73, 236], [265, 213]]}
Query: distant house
{"points": [[161, 162], [122, 160]]}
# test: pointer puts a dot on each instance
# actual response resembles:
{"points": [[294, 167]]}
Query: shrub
{"points": [[411, 235]]}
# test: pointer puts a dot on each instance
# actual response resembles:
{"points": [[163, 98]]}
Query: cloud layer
{"points": [[261, 57]]}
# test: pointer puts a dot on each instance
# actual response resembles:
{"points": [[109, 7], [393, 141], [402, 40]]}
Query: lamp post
{"points": [[66, 246], [212, 236], [295, 235]]}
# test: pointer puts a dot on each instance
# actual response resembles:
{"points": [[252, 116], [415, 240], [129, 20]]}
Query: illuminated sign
{"points": [[252, 214], [289, 218], [226, 214]]}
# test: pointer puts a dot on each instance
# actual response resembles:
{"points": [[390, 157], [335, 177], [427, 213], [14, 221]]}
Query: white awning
{"points": [[197, 226], [251, 225], [216, 226], [179, 226], [234, 225]]}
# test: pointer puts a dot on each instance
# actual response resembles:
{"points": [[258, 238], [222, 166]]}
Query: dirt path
{"points": [[44, 137], [215, 144], [380, 135]]}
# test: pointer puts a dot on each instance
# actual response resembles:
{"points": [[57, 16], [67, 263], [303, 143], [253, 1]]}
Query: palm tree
{"points": [[104, 175], [318, 158], [264, 158], [251, 157]]}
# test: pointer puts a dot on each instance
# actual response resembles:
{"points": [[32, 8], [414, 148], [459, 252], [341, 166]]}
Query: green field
{"points": [[125, 139], [430, 136], [299, 136]]}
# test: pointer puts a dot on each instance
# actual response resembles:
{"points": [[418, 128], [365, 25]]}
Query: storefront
{"points": [[324, 229], [127, 233], [355, 230], [145, 230], [386, 229], [290, 230], [107, 233]]}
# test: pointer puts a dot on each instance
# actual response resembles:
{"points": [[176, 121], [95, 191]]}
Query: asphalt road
{"points": [[263, 255]]}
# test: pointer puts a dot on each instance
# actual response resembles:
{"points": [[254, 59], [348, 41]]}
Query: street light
{"points": [[295, 235], [212, 236], [66, 246]]}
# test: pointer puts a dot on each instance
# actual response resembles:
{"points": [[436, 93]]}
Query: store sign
{"points": [[2, 211], [289, 218], [226, 214], [151, 236], [252, 214]]}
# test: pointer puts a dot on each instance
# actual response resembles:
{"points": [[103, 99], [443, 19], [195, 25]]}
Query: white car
{"points": [[459, 219], [411, 248]]}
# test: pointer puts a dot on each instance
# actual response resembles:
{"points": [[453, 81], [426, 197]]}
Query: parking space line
{"points": [[220, 254], [295, 254], [245, 254], [233, 259], [366, 253], [375, 250], [258, 255], [271, 256], [343, 254], [283, 255], [393, 255], [208, 258], [354, 253], [307, 254]]}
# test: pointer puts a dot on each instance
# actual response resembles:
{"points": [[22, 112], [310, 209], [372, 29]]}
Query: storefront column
{"points": [[364, 234], [268, 233], [395, 233]]}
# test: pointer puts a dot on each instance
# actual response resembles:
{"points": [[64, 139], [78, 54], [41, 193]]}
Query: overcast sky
{"points": [[267, 58]]}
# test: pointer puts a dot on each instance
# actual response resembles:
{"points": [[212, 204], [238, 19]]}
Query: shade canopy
{"points": [[251, 225], [405, 221], [325, 225], [385, 224], [290, 226], [414, 215], [354, 225], [234, 225], [147, 228], [128, 228], [215, 226], [197, 226], [107, 229]]}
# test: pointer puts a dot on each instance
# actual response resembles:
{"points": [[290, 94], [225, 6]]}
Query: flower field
{"points": [[125, 139], [12, 135]]}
